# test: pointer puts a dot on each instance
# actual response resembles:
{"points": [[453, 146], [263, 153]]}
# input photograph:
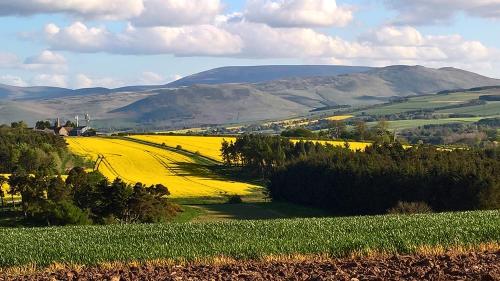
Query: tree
{"points": [[3, 181], [19, 125], [42, 125], [337, 129], [32, 191], [361, 130], [70, 124], [58, 191], [298, 132]]}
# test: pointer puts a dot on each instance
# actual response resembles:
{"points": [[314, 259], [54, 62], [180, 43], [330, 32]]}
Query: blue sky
{"points": [[113, 43]]}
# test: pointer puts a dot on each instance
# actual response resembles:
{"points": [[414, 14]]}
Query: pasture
{"points": [[435, 102], [336, 237], [408, 124]]}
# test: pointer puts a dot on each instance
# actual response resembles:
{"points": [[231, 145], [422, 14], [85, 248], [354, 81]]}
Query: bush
{"points": [[179, 147], [234, 199], [410, 208], [66, 213]]}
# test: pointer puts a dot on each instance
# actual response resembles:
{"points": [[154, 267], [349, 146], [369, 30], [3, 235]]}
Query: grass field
{"points": [[436, 101], [136, 162], [337, 237], [408, 124]]}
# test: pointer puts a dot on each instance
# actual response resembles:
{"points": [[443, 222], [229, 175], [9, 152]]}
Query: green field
{"points": [[408, 124], [89, 245], [434, 102]]}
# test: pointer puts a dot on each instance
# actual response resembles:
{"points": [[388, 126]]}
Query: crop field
{"points": [[206, 146], [408, 124], [134, 162], [354, 145], [337, 237], [437, 101], [210, 146], [339, 117]]}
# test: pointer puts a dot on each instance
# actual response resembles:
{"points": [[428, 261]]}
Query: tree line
{"points": [[36, 160], [373, 181], [27, 151], [87, 198]]}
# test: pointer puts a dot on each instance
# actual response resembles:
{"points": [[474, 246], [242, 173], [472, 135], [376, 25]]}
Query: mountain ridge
{"points": [[183, 106]]}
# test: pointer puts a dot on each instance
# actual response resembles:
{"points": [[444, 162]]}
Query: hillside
{"points": [[224, 103], [209, 103], [258, 74]]}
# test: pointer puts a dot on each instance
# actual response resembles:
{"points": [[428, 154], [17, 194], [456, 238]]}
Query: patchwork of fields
{"points": [[135, 162], [210, 146], [434, 102]]}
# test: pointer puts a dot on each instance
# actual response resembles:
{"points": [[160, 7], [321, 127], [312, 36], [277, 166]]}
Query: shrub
{"points": [[179, 147], [66, 213], [410, 208], [234, 199]]}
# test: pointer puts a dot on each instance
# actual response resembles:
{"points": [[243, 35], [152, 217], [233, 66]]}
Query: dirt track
{"points": [[473, 266]]}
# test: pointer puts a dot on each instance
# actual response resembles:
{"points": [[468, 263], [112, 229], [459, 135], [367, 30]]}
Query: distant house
{"points": [[80, 131], [63, 131]]}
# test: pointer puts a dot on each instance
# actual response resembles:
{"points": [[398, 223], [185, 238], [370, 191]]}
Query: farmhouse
{"points": [[68, 130]]}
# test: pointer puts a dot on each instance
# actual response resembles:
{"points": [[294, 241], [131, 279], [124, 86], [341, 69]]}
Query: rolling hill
{"points": [[265, 73], [224, 103], [186, 102]]}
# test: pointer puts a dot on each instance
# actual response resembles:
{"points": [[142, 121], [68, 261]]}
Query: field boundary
{"points": [[427, 251], [201, 159]]}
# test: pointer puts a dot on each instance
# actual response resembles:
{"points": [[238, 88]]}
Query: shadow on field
{"points": [[254, 211], [216, 172]]}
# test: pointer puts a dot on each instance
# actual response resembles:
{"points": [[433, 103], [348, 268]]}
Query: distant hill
{"points": [[200, 99], [223, 103], [258, 74]]}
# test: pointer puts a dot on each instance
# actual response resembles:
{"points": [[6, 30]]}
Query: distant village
{"points": [[67, 129]]}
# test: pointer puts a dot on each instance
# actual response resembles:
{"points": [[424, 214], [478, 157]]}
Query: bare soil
{"points": [[472, 266]]}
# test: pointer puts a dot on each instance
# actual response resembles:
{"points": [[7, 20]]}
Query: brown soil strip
{"points": [[471, 266]]}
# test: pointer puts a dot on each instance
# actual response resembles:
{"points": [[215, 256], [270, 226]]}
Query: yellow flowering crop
{"points": [[206, 146], [210, 146], [135, 162], [339, 117], [354, 145]]}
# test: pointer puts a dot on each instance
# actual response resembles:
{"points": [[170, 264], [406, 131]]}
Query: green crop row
{"points": [[90, 245]]}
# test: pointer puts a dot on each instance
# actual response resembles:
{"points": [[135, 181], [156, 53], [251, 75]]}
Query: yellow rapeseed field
{"points": [[5, 187], [339, 117], [354, 145], [134, 162], [206, 146], [210, 146]]}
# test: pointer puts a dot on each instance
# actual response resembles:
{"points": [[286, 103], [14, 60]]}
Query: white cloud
{"points": [[152, 78], [12, 80], [53, 80], [178, 12], [442, 11], [298, 13], [46, 61], [202, 40], [99, 9], [46, 57], [243, 39], [140, 12], [86, 81], [8, 60], [400, 36]]}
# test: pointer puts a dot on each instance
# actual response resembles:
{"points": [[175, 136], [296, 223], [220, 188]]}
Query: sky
{"points": [[113, 43]]}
